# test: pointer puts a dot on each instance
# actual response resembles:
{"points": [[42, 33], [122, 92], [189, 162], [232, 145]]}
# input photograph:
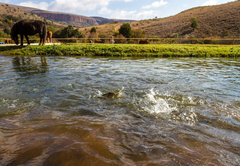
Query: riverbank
{"points": [[124, 50]]}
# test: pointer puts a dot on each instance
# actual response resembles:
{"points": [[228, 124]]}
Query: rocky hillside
{"points": [[220, 21], [101, 20], [63, 18], [10, 15], [67, 18]]}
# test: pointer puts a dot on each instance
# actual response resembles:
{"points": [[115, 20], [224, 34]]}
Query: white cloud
{"points": [[70, 5], [105, 11], [41, 5], [156, 4], [91, 5], [210, 2], [76, 5], [144, 14], [123, 14]]}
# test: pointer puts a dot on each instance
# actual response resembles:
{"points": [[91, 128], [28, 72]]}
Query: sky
{"points": [[118, 9]]}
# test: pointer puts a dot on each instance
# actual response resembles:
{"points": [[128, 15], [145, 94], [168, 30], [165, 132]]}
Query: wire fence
{"points": [[232, 41]]}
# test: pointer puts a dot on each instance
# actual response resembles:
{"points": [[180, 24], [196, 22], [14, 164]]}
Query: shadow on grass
{"points": [[10, 48]]}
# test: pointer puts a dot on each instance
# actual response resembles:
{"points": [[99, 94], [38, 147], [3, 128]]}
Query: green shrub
{"points": [[68, 32], [138, 33], [194, 23], [7, 31], [93, 29], [126, 30]]}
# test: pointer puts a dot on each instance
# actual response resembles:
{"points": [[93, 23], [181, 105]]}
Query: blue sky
{"points": [[120, 9]]}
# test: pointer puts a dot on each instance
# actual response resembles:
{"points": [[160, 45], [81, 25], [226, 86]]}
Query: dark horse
{"points": [[25, 28]]}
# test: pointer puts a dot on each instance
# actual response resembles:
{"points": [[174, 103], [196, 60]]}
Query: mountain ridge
{"points": [[68, 18]]}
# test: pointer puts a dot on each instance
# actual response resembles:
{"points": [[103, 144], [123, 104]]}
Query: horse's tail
{"points": [[44, 33]]}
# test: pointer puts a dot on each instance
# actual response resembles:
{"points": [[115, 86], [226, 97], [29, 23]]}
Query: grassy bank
{"points": [[173, 50]]}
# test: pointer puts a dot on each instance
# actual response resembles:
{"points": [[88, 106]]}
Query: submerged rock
{"points": [[112, 95]]}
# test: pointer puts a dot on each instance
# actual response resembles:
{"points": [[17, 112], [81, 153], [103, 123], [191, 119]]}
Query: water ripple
{"points": [[171, 111]]}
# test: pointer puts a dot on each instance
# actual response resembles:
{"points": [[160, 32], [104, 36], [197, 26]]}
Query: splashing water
{"points": [[151, 103], [172, 110], [156, 105]]}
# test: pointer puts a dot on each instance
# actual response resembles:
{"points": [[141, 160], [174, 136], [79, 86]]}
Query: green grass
{"points": [[124, 50]]}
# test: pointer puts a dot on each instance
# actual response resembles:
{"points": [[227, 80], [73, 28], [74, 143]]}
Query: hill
{"points": [[10, 15], [63, 18], [213, 21], [101, 20], [68, 18]]}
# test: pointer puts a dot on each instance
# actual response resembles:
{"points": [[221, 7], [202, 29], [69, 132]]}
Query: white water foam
{"points": [[155, 104]]}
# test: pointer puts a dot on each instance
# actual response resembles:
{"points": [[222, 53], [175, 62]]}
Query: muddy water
{"points": [[172, 111]]}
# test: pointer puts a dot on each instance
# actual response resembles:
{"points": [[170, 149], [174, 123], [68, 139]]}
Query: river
{"points": [[173, 111]]}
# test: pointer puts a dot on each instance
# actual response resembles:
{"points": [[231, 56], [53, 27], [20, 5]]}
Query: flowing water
{"points": [[183, 111]]}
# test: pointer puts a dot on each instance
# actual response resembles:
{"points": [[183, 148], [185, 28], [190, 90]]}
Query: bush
{"points": [[7, 31], [3, 35], [50, 28], [14, 19], [194, 23], [93, 29], [7, 21], [68, 32], [138, 33], [126, 30], [115, 33]]}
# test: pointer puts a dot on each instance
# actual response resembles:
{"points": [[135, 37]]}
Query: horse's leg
{"points": [[21, 40], [44, 39], [40, 39], [27, 39]]}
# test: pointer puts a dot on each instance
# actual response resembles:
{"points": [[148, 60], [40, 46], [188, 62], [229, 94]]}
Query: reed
{"points": [[124, 50]]}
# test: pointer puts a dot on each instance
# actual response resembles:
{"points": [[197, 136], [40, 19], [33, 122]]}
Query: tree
{"points": [[194, 23], [78, 34], [68, 32], [93, 29], [125, 30]]}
